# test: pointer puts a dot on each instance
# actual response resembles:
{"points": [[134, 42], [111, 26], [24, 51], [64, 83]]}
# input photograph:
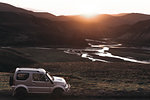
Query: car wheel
{"points": [[20, 93], [58, 92]]}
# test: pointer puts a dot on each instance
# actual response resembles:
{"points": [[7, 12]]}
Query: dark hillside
{"points": [[26, 29], [20, 27], [10, 59], [9, 8], [138, 33], [133, 18]]}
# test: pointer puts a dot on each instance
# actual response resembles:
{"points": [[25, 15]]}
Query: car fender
{"points": [[58, 86], [21, 86]]}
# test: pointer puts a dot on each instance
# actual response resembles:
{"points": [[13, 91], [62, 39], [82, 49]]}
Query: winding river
{"points": [[107, 51], [100, 50]]}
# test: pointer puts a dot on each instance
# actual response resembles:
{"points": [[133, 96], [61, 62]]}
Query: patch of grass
{"points": [[4, 81], [86, 77], [95, 78], [46, 55], [9, 60]]}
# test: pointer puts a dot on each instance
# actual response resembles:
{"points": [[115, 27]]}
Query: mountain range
{"points": [[23, 28]]}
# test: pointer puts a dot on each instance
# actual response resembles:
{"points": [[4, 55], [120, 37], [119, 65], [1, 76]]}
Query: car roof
{"points": [[39, 70]]}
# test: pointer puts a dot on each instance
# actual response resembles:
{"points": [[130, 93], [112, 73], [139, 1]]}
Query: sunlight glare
{"points": [[89, 15], [85, 7]]}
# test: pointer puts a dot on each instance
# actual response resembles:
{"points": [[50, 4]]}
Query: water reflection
{"points": [[92, 58], [100, 46], [118, 57], [102, 50]]}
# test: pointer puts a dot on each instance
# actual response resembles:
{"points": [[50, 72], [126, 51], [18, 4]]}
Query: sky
{"points": [[83, 7]]}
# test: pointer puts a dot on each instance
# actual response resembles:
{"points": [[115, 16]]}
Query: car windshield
{"points": [[50, 77]]}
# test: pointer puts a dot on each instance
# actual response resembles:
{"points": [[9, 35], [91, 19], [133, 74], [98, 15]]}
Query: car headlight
{"points": [[64, 85]]}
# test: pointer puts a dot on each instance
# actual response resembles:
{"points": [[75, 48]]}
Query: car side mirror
{"points": [[47, 80]]}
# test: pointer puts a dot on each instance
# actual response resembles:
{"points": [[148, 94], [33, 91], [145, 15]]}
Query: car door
{"points": [[50, 83], [39, 83]]}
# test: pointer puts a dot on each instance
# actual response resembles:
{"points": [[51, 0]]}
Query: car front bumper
{"points": [[67, 87]]}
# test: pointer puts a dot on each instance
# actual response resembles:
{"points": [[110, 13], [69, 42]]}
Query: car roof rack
{"points": [[27, 71]]}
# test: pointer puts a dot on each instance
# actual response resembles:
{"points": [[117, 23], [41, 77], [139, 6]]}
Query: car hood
{"points": [[59, 80]]}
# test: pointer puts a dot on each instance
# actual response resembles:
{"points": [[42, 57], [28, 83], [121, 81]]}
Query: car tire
{"points": [[20, 93], [58, 92]]}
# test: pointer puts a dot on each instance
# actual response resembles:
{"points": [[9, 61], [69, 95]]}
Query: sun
{"points": [[88, 15]]}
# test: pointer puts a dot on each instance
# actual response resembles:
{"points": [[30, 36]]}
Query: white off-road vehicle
{"points": [[36, 80]]}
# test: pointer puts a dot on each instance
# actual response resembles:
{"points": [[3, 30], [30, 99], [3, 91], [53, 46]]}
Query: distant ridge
{"points": [[121, 14], [132, 18], [9, 8], [138, 33], [23, 27]]}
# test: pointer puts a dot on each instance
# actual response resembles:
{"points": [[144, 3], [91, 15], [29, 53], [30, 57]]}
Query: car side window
{"points": [[22, 76], [38, 77]]}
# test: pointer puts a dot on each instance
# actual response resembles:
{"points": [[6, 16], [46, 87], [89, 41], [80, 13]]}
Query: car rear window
{"points": [[22, 76]]}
